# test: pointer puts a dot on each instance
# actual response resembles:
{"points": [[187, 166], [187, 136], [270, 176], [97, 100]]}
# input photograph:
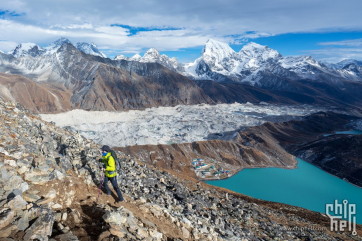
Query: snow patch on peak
{"points": [[121, 57], [135, 57], [59, 42], [217, 50], [151, 56], [90, 48], [25, 49], [259, 52], [53, 47], [253, 45]]}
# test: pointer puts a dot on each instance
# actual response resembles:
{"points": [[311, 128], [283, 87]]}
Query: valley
{"points": [[49, 181], [234, 110]]}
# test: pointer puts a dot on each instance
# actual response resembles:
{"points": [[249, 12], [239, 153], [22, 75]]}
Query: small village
{"points": [[211, 170]]}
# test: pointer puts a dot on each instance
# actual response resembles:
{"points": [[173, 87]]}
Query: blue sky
{"points": [[327, 30]]}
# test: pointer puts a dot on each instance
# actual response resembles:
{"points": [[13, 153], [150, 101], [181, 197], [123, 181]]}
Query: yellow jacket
{"points": [[110, 165]]}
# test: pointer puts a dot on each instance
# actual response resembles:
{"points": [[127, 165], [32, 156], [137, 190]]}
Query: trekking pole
{"points": [[100, 186]]}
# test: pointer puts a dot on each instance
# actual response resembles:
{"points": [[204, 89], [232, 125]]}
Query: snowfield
{"points": [[180, 124]]}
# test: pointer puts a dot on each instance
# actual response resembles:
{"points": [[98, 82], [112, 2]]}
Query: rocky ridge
{"points": [[49, 178], [78, 80]]}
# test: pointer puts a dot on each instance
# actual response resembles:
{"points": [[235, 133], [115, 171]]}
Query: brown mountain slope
{"points": [[115, 89], [231, 155], [32, 95]]}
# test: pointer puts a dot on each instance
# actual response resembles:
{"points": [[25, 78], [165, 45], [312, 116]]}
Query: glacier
{"points": [[180, 124]]}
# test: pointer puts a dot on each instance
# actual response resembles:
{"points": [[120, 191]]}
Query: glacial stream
{"points": [[307, 186]]}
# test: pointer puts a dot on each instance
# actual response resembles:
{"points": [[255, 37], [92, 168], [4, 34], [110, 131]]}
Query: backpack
{"points": [[116, 161]]}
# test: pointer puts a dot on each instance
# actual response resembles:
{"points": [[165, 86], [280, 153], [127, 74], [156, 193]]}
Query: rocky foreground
{"points": [[49, 181]]}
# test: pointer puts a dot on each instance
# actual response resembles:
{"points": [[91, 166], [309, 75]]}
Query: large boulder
{"points": [[42, 228], [37, 176]]}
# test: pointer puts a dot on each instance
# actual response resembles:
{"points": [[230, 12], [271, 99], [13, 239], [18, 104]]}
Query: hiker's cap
{"points": [[106, 148]]}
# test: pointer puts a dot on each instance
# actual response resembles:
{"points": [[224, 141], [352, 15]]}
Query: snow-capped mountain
{"points": [[135, 57], [261, 66], [25, 49], [255, 73], [90, 48], [121, 57], [153, 56], [218, 61], [352, 70], [53, 47], [342, 64], [254, 55], [31, 49], [70, 79]]}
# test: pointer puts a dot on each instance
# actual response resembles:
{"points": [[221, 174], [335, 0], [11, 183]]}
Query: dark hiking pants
{"points": [[115, 186]]}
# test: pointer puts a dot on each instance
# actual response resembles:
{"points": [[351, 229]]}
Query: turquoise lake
{"points": [[350, 132], [307, 186]]}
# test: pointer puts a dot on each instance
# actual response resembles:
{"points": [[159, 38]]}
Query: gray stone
{"points": [[64, 217], [185, 233], [6, 218], [58, 175], [58, 217], [36, 177], [51, 194], [23, 223], [64, 163], [30, 197], [17, 192], [75, 217], [2, 203], [12, 183], [42, 227], [69, 236], [24, 186], [114, 218], [17, 203], [155, 235]]}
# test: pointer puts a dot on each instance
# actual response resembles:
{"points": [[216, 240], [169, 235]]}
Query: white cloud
{"points": [[6, 46], [231, 21], [112, 30], [351, 42], [334, 55], [80, 26]]}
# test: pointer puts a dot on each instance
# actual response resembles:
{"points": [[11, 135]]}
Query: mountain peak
{"points": [[121, 57], [153, 52], [25, 49], [152, 55], [216, 47], [89, 48], [216, 54], [136, 57], [254, 50], [53, 47], [253, 45], [60, 42]]}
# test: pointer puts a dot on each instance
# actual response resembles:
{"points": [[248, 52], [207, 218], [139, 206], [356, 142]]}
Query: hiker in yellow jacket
{"points": [[110, 172]]}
